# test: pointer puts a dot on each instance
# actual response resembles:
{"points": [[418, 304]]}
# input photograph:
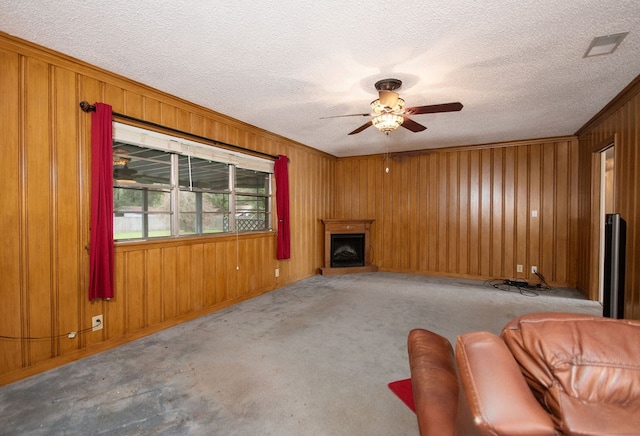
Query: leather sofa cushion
{"points": [[434, 382], [495, 394], [585, 370]]}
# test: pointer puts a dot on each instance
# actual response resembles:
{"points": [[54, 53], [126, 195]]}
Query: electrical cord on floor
{"points": [[542, 281], [70, 335], [521, 286]]}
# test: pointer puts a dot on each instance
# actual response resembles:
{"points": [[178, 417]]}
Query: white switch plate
{"points": [[519, 268]]}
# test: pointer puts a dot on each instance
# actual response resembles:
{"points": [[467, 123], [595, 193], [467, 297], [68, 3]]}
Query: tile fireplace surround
{"points": [[345, 227]]}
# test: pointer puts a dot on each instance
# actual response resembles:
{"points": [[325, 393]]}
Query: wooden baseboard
{"points": [[54, 362], [348, 270]]}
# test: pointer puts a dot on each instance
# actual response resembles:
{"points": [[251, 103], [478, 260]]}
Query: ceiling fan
{"points": [[121, 170], [388, 111]]}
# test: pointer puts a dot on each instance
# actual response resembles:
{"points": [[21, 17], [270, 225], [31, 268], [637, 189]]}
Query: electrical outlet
{"points": [[97, 323], [519, 268], [277, 272], [534, 269]]}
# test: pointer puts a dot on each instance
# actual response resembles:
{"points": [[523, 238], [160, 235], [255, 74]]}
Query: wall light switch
{"points": [[534, 214], [518, 268]]}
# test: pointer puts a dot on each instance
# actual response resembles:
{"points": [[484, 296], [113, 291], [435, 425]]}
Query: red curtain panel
{"points": [[281, 173], [101, 242]]}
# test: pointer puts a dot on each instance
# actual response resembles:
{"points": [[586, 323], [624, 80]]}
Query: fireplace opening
{"points": [[347, 250]]}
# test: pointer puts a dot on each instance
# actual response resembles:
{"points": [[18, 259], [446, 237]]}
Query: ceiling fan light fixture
{"points": [[120, 157], [124, 174], [387, 122], [388, 98], [379, 108]]}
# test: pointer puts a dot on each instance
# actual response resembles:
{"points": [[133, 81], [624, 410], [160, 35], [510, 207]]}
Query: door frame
{"points": [[597, 217]]}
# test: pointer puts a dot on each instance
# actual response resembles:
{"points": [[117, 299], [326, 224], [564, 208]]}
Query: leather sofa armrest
{"points": [[497, 396], [434, 382]]}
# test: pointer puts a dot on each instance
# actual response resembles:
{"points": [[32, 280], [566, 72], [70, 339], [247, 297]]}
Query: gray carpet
{"points": [[312, 358]]}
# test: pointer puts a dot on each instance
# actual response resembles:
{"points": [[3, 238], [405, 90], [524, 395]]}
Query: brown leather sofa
{"points": [[546, 374]]}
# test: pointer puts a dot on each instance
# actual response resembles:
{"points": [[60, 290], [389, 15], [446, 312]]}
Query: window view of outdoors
{"points": [[210, 197]]}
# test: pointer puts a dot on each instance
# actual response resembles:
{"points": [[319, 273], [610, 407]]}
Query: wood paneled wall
{"points": [[45, 163], [619, 122], [468, 212], [461, 213]]}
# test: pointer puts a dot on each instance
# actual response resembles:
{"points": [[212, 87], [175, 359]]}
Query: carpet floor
{"points": [[311, 358]]}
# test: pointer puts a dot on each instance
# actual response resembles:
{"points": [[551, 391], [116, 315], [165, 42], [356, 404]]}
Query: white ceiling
{"points": [[517, 67]]}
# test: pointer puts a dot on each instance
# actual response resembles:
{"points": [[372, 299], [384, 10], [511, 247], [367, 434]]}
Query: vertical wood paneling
{"points": [[115, 96], [134, 295], [115, 311], [183, 279], [46, 208], [534, 201], [221, 273], [116, 320], [91, 90], [169, 268], [621, 120], [553, 188], [68, 230], [463, 213], [11, 309], [474, 214], [485, 230], [565, 208], [468, 213], [633, 288], [509, 260], [152, 110], [441, 213], [133, 104], [196, 274], [522, 207], [401, 251], [153, 258], [37, 206], [231, 248], [574, 223], [432, 217], [210, 285], [497, 213], [453, 234], [423, 202]]}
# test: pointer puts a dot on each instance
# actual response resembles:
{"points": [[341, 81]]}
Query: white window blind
{"points": [[160, 141]]}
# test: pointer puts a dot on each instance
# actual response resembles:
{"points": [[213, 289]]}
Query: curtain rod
{"points": [[87, 107]]}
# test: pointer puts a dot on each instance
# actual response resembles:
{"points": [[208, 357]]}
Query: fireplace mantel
{"points": [[347, 226]]}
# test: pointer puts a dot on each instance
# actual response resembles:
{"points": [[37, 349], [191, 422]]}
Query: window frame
{"points": [[176, 147]]}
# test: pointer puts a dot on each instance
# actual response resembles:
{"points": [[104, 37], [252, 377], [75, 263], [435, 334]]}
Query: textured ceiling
{"points": [[517, 67]]}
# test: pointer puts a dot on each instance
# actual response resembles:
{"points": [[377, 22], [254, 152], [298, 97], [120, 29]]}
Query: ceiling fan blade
{"points": [[408, 123], [342, 116], [434, 108], [361, 128]]}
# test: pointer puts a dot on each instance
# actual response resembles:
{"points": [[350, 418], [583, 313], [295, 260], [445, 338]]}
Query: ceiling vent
{"points": [[603, 45]]}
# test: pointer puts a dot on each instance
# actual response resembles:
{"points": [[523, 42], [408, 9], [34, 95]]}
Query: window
{"points": [[167, 187]]}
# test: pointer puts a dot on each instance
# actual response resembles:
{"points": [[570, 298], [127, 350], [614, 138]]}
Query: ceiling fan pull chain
{"points": [[190, 178], [386, 159]]}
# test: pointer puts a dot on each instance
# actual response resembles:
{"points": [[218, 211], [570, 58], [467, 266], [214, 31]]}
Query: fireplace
{"points": [[347, 250], [347, 246]]}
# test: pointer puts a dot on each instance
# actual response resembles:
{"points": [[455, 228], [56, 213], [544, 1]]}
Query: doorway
{"points": [[607, 205]]}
